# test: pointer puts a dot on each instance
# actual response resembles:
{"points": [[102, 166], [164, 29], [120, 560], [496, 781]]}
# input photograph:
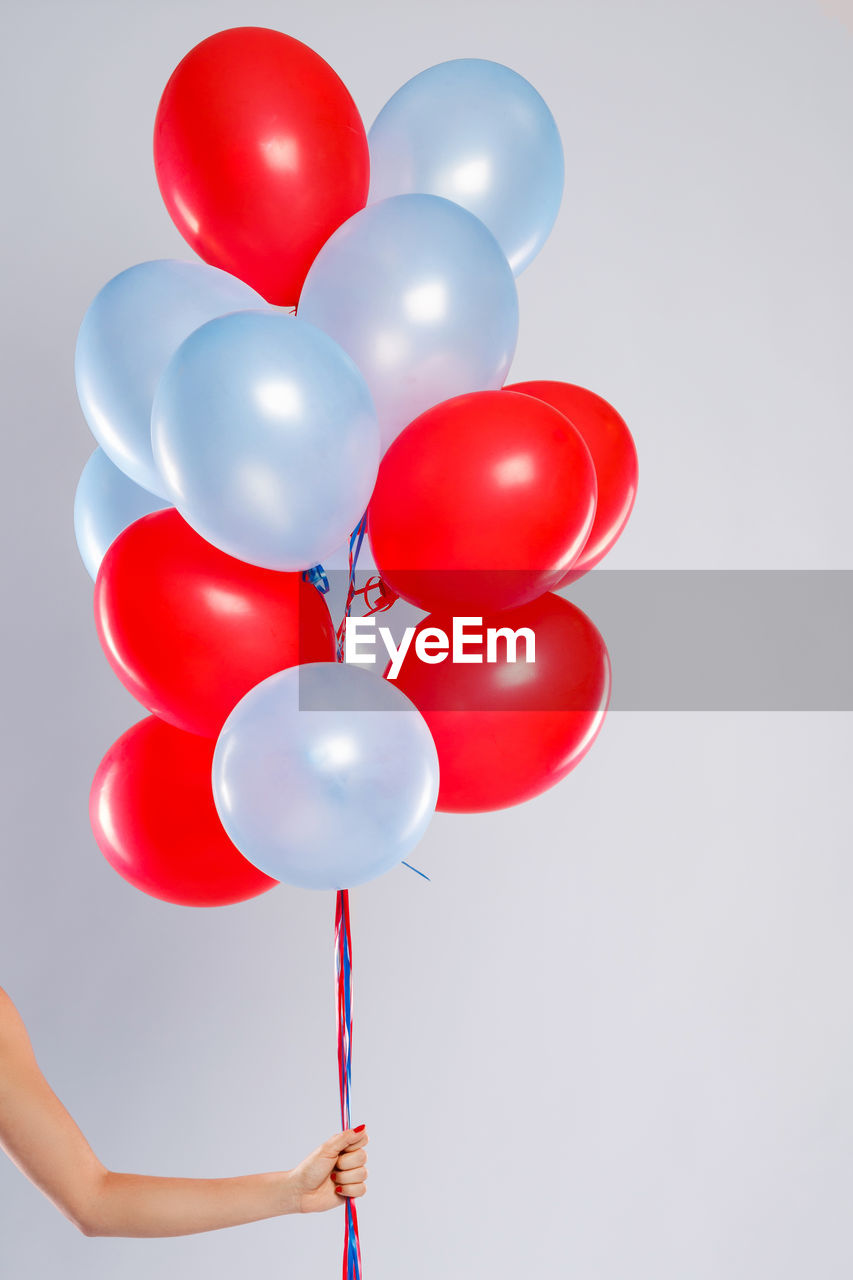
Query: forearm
{"points": [[127, 1204], [43, 1140]]}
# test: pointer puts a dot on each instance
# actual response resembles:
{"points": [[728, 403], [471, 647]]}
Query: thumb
{"points": [[333, 1146]]}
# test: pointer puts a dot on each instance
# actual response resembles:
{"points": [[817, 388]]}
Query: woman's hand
{"points": [[43, 1140], [333, 1173]]}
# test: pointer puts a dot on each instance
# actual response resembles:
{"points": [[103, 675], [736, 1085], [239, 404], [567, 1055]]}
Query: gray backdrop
{"points": [[613, 1037]]}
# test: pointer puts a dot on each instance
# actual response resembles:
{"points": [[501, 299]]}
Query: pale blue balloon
{"points": [[325, 776], [266, 437], [128, 335], [419, 293], [338, 560], [477, 133], [105, 503]]}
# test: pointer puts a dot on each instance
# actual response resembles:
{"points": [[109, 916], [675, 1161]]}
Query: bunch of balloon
{"points": [[487, 501], [330, 377]]}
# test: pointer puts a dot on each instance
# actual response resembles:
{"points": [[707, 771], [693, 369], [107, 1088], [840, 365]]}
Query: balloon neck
{"points": [[317, 578]]}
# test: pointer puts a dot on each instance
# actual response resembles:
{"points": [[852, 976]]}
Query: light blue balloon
{"points": [[419, 293], [477, 133], [325, 776], [105, 503], [128, 335], [338, 560], [266, 437]]}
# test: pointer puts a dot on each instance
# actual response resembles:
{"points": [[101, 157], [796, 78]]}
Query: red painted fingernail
{"points": [[359, 1128], [340, 1191]]}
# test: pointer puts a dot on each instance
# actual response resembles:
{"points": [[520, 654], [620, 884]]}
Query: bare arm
{"points": [[40, 1136]]}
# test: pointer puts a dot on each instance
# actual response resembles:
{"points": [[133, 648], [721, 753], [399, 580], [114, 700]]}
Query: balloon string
{"points": [[355, 541], [343, 976], [351, 1269], [384, 599], [422, 874]]}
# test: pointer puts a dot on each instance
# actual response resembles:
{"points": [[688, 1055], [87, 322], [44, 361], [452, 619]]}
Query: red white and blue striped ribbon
{"points": [[343, 966], [343, 976], [343, 937]]}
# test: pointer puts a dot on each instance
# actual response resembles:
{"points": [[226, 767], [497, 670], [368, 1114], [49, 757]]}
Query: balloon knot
{"points": [[317, 577]]}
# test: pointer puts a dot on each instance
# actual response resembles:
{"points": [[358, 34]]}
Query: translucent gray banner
{"points": [[699, 640], [724, 640]]}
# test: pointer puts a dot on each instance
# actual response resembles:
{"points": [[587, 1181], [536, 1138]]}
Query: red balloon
{"points": [[260, 155], [189, 630], [506, 732], [152, 812], [614, 456], [484, 501]]}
